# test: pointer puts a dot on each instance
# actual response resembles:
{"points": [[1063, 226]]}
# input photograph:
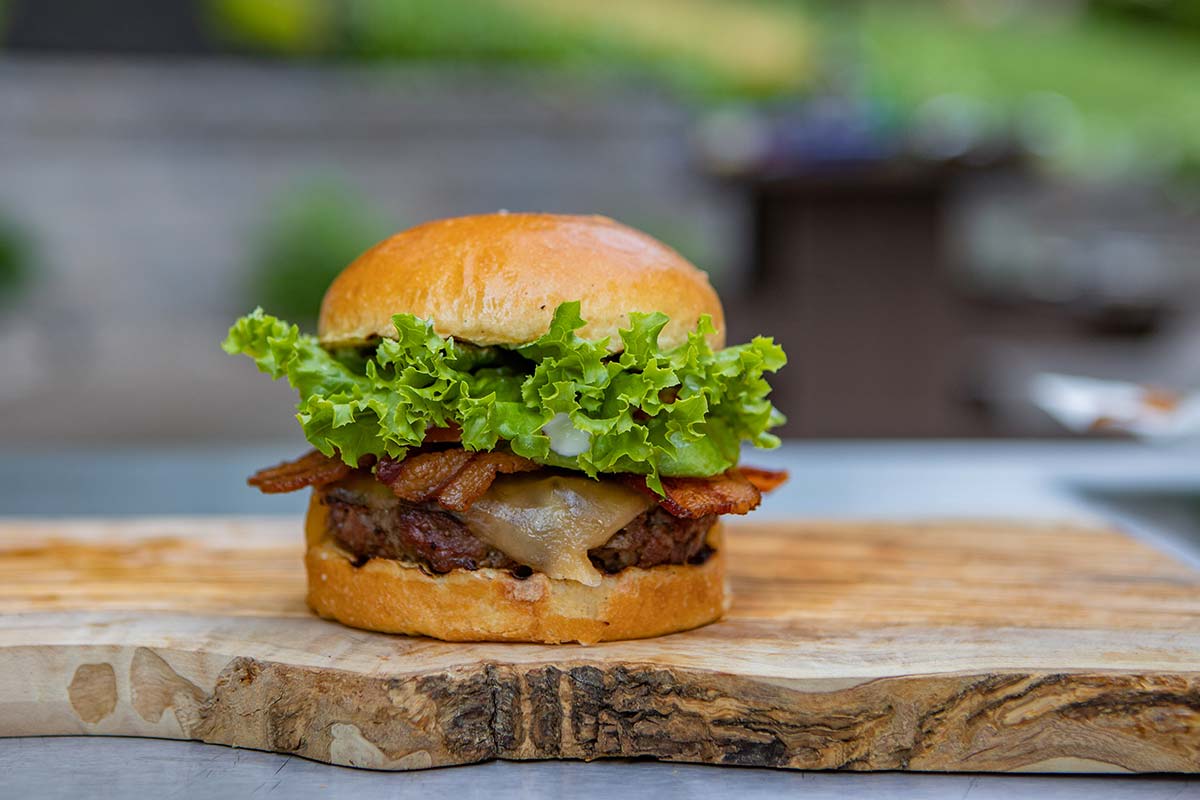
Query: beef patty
{"points": [[372, 525]]}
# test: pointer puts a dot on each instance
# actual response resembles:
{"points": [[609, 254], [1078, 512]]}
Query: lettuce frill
{"points": [[680, 412]]}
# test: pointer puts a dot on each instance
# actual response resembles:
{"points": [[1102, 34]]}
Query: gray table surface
{"points": [[1153, 492]]}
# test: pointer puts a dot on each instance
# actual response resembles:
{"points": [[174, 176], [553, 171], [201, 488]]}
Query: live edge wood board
{"points": [[989, 647]]}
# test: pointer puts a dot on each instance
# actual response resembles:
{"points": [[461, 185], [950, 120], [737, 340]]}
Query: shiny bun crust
{"points": [[496, 279], [488, 605]]}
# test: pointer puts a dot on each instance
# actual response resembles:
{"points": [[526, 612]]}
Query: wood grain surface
{"points": [[949, 646]]}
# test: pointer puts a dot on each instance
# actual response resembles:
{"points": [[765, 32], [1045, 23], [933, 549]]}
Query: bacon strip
{"points": [[311, 469], [476, 478], [765, 480], [737, 491], [453, 433], [729, 493], [315, 469], [455, 478], [418, 477]]}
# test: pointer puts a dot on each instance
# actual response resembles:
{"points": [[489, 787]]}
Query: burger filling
{"points": [[369, 524], [566, 456], [444, 508], [593, 407]]}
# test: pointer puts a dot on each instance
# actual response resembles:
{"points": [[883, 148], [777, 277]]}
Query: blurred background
{"points": [[927, 203]]}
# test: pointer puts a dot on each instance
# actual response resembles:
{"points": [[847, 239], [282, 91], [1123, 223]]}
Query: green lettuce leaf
{"points": [[680, 412]]}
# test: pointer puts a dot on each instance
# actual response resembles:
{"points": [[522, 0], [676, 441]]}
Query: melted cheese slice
{"points": [[550, 523]]}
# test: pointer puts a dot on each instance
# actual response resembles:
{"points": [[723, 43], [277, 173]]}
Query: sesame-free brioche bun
{"points": [[489, 605], [495, 279]]}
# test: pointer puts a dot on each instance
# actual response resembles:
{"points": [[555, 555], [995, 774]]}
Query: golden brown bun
{"points": [[497, 278], [487, 605]]}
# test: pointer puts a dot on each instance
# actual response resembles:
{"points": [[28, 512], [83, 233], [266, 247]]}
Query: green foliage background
{"points": [[309, 234]]}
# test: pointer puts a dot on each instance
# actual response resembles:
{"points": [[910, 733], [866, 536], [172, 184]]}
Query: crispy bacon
{"points": [[729, 493], [311, 469], [419, 476], [765, 480], [476, 477], [453, 433], [737, 491], [455, 478]]}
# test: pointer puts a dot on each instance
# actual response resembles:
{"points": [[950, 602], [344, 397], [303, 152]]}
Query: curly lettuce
{"points": [[679, 412]]}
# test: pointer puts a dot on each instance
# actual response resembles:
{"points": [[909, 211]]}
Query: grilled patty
{"points": [[377, 526]]}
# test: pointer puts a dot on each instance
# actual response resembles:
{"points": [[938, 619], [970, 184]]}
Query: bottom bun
{"points": [[489, 605]]}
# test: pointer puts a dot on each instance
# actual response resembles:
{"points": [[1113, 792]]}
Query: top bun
{"points": [[495, 279]]}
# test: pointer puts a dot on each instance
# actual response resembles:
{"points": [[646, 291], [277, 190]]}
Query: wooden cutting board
{"points": [[849, 646]]}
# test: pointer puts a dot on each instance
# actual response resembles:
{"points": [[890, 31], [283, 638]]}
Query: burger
{"points": [[526, 427]]}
